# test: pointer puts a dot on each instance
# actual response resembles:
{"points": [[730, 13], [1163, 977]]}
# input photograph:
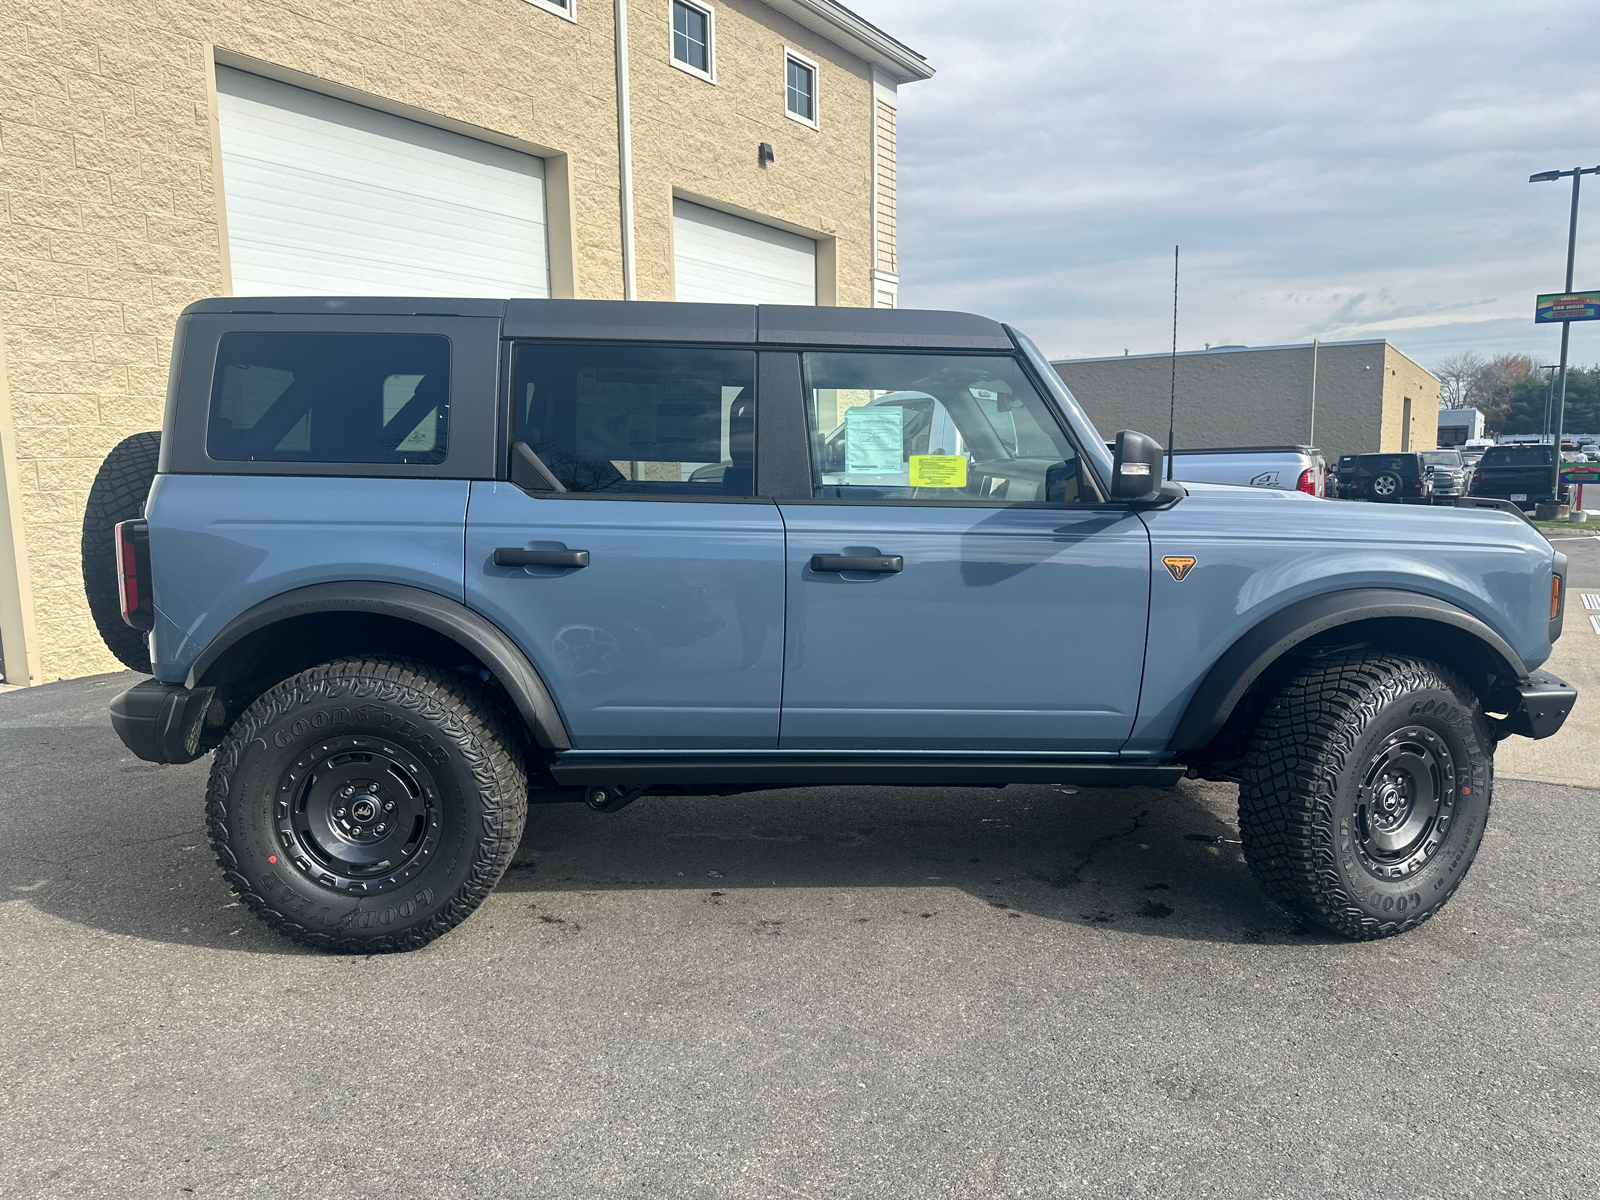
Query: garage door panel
{"points": [[325, 196], [719, 258]]}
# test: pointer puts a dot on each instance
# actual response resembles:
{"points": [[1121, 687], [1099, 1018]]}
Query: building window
{"points": [[692, 47], [562, 8], [800, 88]]}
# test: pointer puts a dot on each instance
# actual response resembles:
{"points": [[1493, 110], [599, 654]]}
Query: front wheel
{"points": [[367, 805], [1365, 792]]}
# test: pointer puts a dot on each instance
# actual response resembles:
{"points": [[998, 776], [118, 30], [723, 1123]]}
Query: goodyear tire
{"points": [[367, 805], [117, 494], [1365, 792]]}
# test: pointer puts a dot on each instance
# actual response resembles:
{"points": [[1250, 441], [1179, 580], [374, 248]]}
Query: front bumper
{"points": [[1545, 703], [163, 722]]}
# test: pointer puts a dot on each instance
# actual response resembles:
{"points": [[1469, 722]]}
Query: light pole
{"points": [[1577, 174]]}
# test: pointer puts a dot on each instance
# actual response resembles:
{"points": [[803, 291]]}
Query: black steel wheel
{"points": [[1405, 802], [1365, 792], [368, 804], [358, 814]]}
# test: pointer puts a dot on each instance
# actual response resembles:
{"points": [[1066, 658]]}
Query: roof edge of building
{"points": [[1057, 362], [858, 35]]}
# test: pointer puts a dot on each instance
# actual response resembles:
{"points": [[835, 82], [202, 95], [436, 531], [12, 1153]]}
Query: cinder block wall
{"points": [[109, 210], [1262, 397]]}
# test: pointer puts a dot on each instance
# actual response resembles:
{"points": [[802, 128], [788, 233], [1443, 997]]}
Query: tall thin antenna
{"points": [[1172, 404]]}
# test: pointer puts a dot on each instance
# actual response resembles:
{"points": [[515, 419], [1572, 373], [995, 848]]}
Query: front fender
{"points": [[1258, 553], [1245, 661]]}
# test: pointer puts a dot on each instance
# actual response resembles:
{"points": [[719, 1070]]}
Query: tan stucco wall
{"points": [[1261, 397], [699, 140], [1404, 379], [110, 217]]}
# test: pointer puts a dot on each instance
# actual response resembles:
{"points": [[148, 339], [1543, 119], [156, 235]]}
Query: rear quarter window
{"points": [[1516, 456], [330, 397]]}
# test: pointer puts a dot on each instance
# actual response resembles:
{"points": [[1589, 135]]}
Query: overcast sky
{"points": [[1338, 170]]}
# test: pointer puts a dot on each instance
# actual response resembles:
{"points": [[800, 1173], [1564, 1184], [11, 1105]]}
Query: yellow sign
{"points": [[939, 470]]}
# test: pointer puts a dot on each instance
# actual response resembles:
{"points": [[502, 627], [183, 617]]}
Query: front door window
{"points": [[933, 428]]}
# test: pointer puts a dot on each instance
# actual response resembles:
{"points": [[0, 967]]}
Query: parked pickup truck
{"points": [[1287, 468], [1523, 475], [401, 564]]}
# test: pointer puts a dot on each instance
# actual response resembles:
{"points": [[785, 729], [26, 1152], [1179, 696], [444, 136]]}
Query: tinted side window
{"points": [[934, 427], [330, 397], [666, 421]]}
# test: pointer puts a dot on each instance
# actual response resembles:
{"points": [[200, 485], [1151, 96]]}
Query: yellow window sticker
{"points": [[939, 470]]}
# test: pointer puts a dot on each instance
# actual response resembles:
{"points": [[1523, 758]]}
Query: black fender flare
{"points": [[1242, 664], [454, 620]]}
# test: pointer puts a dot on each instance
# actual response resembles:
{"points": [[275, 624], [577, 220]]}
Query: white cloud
{"points": [[1331, 169]]}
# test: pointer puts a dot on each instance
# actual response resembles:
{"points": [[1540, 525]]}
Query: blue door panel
{"points": [[670, 638], [222, 543], [1008, 628]]}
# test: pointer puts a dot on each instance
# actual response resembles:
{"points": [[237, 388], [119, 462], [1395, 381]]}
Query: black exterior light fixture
{"points": [[764, 155], [1577, 174]]}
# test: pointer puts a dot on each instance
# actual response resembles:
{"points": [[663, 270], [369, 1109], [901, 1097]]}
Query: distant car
{"points": [[1521, 474], [1387, 478], [1446, 471]]}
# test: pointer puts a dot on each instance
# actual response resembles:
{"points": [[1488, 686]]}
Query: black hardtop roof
{"points": [[651, 321]]}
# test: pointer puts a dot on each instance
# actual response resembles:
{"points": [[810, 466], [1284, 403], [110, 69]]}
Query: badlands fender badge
{"points": [[1178, 565]]}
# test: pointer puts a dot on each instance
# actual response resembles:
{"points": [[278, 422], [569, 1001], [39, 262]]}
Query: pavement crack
{"points": [[1073, 876]]}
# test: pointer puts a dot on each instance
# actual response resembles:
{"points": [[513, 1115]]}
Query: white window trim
{"points": [[570, 12], [816, 88], [711, 41]]}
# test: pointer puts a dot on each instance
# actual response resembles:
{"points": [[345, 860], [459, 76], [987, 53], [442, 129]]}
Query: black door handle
{"points": [[885, 564], [515, 556]]}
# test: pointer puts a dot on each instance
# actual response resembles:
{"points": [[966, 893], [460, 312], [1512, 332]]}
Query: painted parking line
{"points": [[1590, 599]]}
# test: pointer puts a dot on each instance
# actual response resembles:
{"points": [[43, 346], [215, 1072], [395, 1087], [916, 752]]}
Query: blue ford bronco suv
{"points": [[402, 564]]}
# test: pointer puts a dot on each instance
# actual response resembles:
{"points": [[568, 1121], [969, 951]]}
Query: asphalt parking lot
{"points": [[829, 992]]}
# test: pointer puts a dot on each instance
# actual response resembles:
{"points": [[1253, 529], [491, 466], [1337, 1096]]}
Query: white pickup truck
{"points": [[1286, 468]]}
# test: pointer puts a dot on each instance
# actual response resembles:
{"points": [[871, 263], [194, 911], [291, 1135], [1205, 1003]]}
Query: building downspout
{"points": [[1316, 345], [625, 152], [18, 641]]}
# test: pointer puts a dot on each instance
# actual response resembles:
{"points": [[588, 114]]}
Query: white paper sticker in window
{"points": [[874, 440]]}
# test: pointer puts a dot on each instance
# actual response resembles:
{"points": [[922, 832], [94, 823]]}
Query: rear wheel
{"points": [[117, 494], [367, 805], [1386, 486], [1365, 792]]}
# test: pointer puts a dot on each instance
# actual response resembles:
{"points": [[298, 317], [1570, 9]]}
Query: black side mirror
{"points": [[1136, 467]]}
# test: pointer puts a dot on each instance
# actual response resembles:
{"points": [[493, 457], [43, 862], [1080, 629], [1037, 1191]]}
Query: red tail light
{"points": [[133, 574], [1308, 482]]}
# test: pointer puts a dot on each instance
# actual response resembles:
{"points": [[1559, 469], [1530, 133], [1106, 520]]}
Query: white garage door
{"points": [[719, 258], [325, 197]]}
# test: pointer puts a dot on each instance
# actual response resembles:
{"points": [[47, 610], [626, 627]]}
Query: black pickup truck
{"points": [[1520, 474]]}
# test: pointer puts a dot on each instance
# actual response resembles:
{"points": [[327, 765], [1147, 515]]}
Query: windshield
{"points": [[1441, 458], [1094, 446]]}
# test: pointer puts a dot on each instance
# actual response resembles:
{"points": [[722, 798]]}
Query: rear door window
{"points": [[639, 420], [330, 397]]}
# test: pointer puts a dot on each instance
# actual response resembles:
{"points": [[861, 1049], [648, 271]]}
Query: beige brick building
{"points": [[762, 131], [1367, 396]]}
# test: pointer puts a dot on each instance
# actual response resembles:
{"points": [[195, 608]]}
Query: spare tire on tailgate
{"points": [[117, 494]]}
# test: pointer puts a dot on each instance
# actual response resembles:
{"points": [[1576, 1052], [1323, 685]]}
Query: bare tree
{"points": [[1457, 376], [1496, 384]]}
